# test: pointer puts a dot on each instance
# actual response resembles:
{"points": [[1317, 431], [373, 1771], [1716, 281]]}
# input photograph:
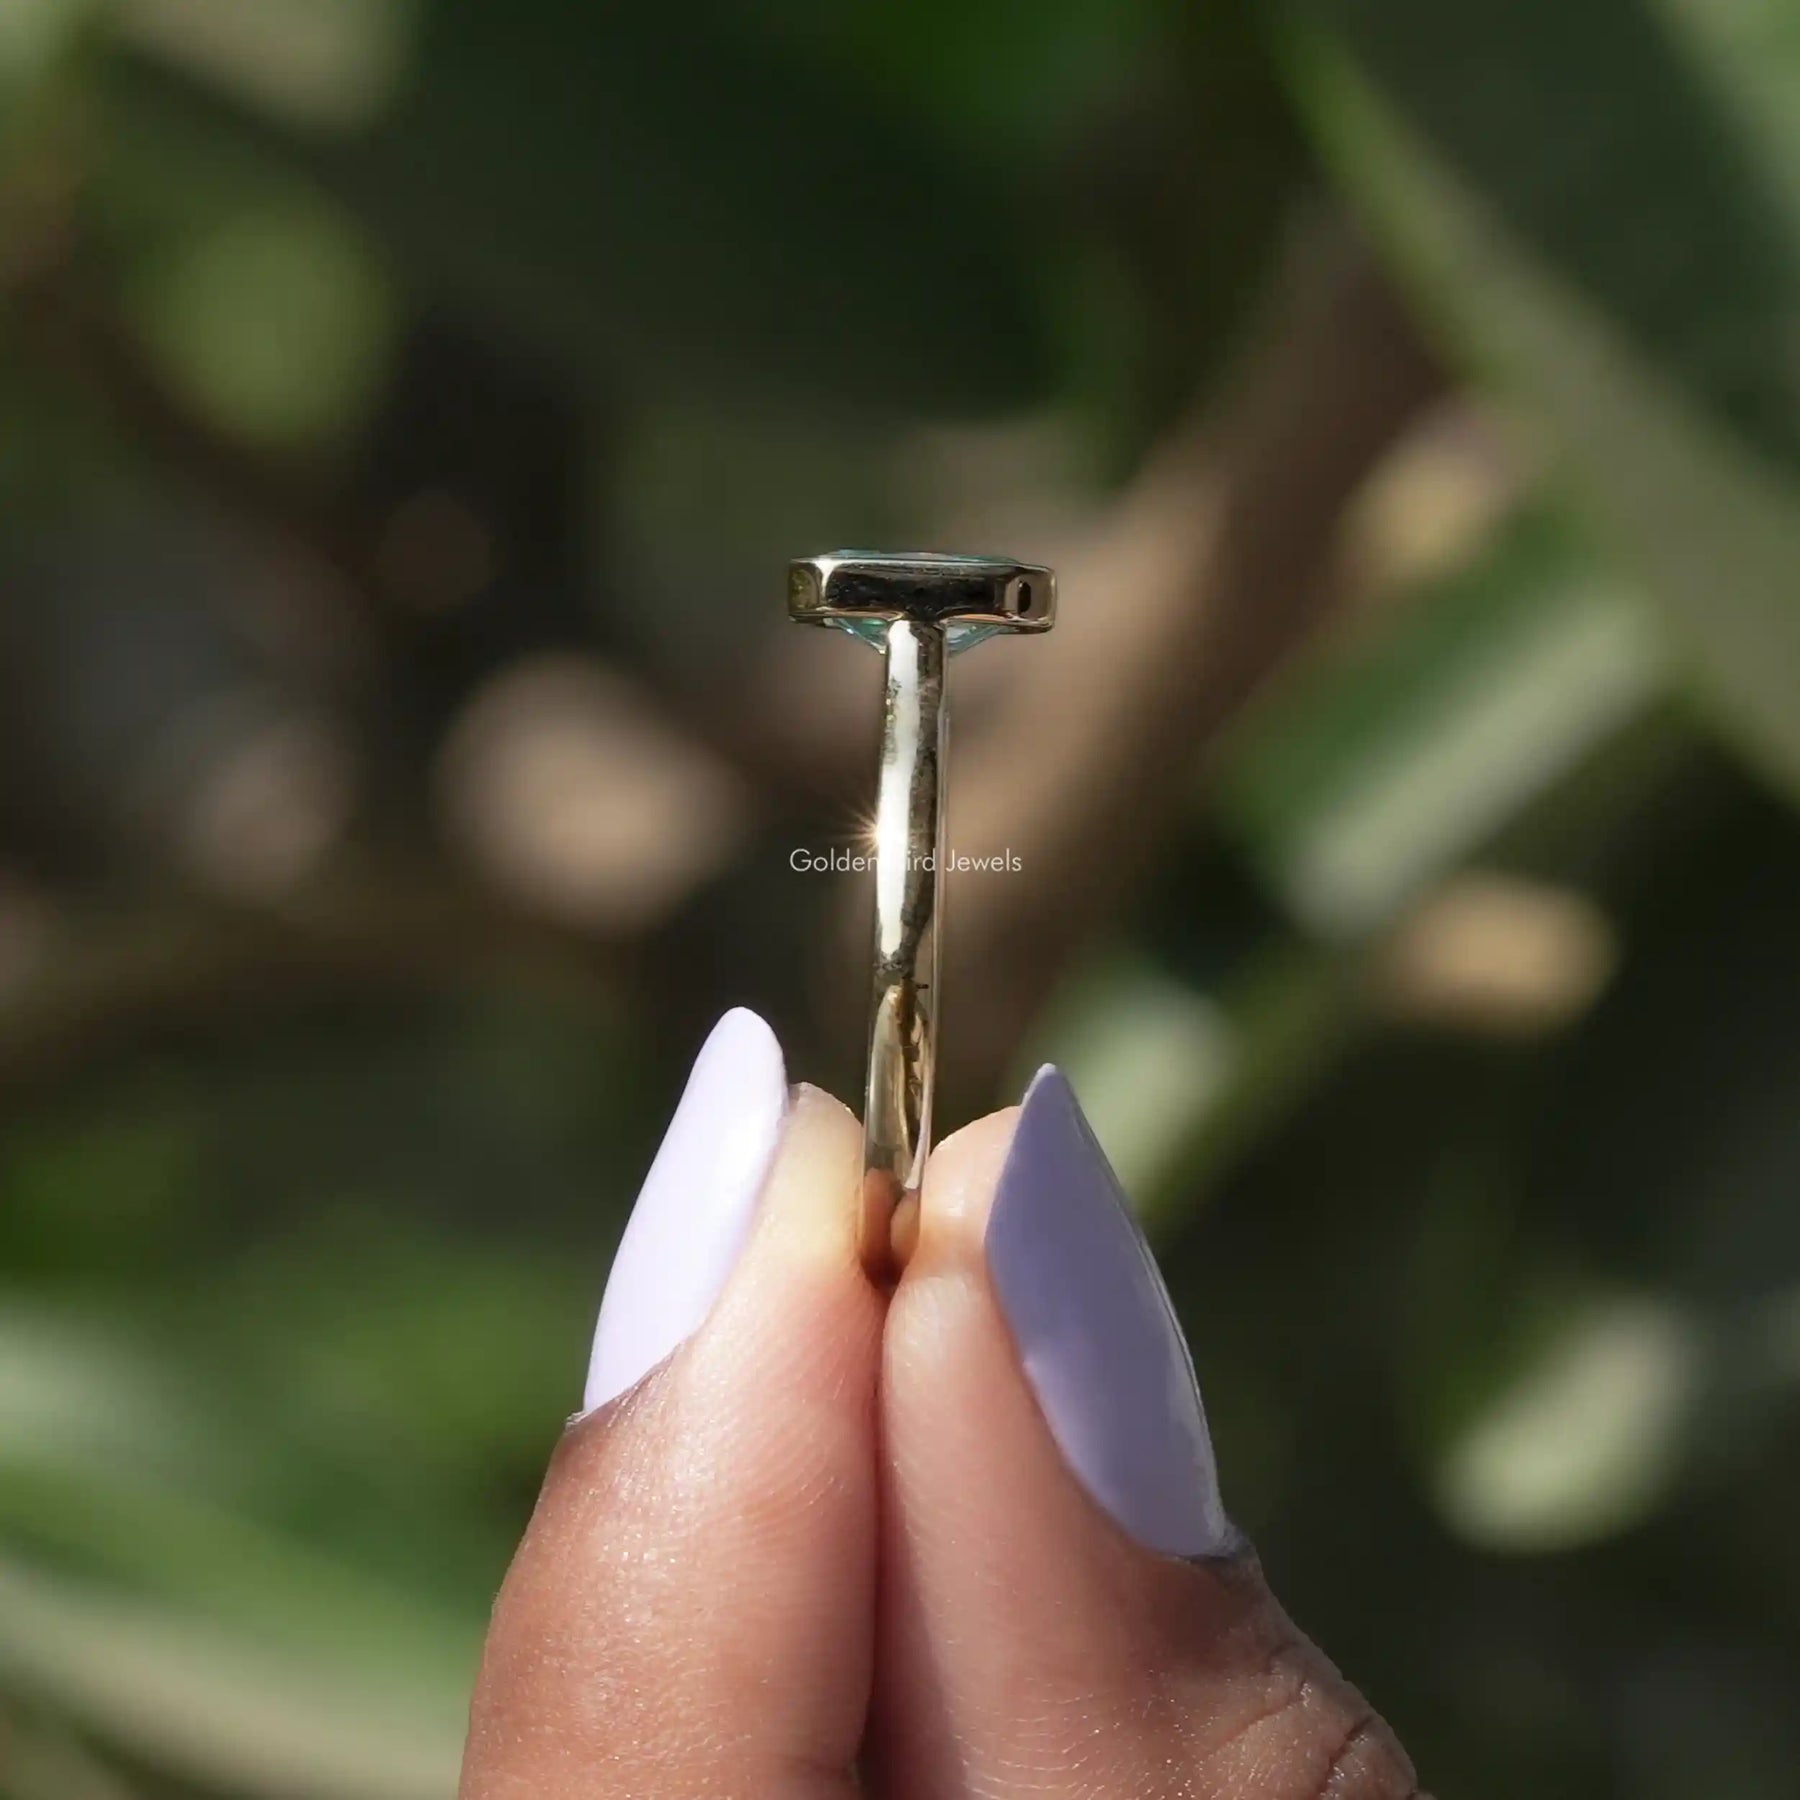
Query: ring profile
{"points": [[919, 608]]}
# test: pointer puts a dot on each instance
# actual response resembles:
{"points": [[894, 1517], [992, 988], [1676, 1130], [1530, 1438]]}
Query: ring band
{"points": [[920, 608]]}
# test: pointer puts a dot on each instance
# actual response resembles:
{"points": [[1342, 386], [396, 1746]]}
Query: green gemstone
{"points": [[957, 638]]}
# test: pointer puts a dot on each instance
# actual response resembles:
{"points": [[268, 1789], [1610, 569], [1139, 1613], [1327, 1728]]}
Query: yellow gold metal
{"points": [[920, 608]]}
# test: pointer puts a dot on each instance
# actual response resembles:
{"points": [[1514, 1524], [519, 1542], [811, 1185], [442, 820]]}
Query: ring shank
{"points": [[908, 844]]}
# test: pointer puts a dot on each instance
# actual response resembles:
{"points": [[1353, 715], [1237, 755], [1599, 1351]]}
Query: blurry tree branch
{"points": [[1196, 584], [1209, 572], [185, 963]]}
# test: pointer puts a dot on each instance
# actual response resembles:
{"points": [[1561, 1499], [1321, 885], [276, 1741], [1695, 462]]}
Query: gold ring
{"points": [[920, 608]]}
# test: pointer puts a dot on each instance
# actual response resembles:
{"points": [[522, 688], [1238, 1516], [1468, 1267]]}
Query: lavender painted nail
{"points": [[1096, 1332], [694, 1210]]}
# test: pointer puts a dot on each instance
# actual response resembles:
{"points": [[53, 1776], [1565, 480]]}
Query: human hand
{"points": [[964, 1540]]}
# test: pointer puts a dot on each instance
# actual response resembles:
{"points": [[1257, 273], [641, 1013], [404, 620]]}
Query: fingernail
{"points": [[1097, 1334], [694, 1210]]}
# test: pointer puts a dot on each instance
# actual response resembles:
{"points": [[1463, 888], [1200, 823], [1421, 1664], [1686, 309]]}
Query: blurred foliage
{"points": [[1603, 201], [404, 407]]}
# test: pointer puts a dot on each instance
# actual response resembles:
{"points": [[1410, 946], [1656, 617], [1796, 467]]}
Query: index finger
{"points": [[1067, 1609]]}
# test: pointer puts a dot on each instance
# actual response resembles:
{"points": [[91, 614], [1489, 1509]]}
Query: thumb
{"points": [[1067, 1609], [692, 1609]]}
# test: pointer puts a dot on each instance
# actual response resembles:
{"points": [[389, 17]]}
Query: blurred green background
{"points": [[406, 410]]}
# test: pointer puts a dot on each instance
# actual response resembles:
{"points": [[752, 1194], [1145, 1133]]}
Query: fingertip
{"points": [[714, 1517], [1066, 1596], [960, 1182], [818, 1117], [799, 1294], [819, 1102], [807, 1207]]}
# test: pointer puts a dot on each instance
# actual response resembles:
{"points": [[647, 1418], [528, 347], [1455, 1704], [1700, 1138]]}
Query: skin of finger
{"points": [[691, 1611], [1026, 1646]]}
